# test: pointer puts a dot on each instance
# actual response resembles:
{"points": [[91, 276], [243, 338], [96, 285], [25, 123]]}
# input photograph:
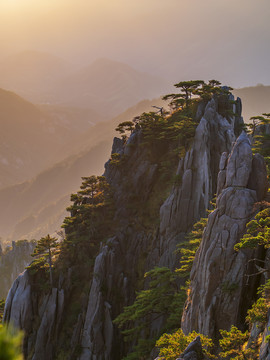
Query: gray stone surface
{"points": [[18, 308], [12, 262], [133, 250], [239, 163], [258, 178], [217, 276]]}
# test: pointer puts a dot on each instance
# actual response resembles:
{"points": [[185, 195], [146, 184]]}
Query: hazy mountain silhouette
{"points": [[34, 137], [33, 74], [106, 86], [110, 87], [27, 140], [255, 100], [34, 208]]}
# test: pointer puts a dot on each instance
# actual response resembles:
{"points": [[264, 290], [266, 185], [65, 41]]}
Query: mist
{"points": [[176, 39]]}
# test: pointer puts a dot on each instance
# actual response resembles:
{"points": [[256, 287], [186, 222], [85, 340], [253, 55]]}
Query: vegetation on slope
{"points": [[168, 132], [10, 344], [234, 342], [164, 298], [164, 137]]}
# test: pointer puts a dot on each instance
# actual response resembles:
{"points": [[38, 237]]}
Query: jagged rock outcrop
{"points": [[265, 348], [12, 262], [193, 351], [218, 274], [186, 204], [21, 309], [137, 246]]}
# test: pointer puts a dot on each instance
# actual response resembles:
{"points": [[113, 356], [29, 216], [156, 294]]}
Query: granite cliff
{"points": [[221, 290], [13, 261], [156, 203]]}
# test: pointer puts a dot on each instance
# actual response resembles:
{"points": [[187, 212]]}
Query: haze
{"points": [[175, 39]]}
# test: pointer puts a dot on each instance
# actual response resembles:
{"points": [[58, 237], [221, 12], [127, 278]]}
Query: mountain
{"points": [[28, 139], [33, 74], [109, 87], [161, 182], [13, 260], [34, 137], [255, 99], [106, 87], [36, 207]]}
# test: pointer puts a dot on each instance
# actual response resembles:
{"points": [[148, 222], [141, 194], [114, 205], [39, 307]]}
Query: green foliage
{"points": [[166, 134], [258, 232], [10, 344], [2, 307], [261, 137], [124, 128], [45, 249], [172, 345], [233, 345], [174, 131], [188, 249], [229, 287], [38, 264], [141, 350], [117, 159], [157, 301], [90, 220], [193, 91], [258, 312], [46, 246], [163, 298]]}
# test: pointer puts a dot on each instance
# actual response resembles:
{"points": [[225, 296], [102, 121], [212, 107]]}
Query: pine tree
{"points": [[46, 246]]}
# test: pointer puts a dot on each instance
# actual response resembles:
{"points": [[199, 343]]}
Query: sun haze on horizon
{"points": [[176, 39]]}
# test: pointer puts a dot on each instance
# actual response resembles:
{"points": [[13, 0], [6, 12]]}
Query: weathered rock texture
{"points": [[137, 246], [265, 348], [186, 204], [218, 275], [12, 262]]}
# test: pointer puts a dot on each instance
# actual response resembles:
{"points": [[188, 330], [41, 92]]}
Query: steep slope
{"points": [[146, 234], [28, 141], [218, 295], [12, 262], [36, 207]]}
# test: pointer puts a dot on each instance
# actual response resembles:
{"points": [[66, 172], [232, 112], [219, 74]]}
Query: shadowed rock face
{"points": [[12, 262], [186, 204], [217, 277], [133, 250]]}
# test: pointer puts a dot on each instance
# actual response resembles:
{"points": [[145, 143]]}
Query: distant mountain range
{"points": [[33, 74], [36, 207], [33, 137], [108, 87], [255, 100], [46, 148], [28, 139]]}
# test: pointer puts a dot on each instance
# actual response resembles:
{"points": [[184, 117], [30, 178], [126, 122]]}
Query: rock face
{"points": [[193, 351], [21, 309], [186, 203], [12, 262], [265, 348], [137, 246], [218, 275]]}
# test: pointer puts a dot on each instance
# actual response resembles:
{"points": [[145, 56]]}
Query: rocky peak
{"points": [[136, 246], [218, 277]]}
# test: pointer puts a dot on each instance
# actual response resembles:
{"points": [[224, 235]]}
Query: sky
{"points": [[175, 39]]}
